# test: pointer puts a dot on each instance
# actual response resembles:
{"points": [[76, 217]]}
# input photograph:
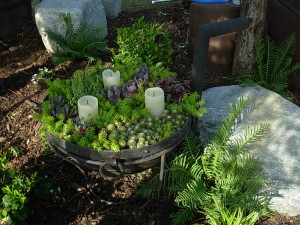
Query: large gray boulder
{"points": [[112, 8], [87, 13], [278, 150]]}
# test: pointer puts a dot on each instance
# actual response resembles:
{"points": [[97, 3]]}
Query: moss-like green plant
{"points": [[76, 43], [222, 181], [59, 87], [273, 65]]}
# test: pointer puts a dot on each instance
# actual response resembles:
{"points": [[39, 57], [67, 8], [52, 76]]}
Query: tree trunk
{"points": [[244, 57]]}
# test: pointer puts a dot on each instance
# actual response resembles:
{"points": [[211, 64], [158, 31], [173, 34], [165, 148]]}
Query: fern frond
{"points": [[225, 128], [182, 216], [271, 49], [177, 177], [214, 151], [150, 188], [66, 19], [213, 210], [76, 43], [293, 68], [261, 55], [60, 58], [251, 135], [193, 196], [283, 51], [191, 145], [57, 38], [224, 182], [274, 65]]}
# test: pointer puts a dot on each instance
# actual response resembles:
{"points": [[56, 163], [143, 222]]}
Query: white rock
{"points": [[88, 13], [278, 150]]}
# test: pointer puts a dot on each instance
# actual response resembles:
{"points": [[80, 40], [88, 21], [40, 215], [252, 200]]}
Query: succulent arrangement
{"points": [[123, 121]]}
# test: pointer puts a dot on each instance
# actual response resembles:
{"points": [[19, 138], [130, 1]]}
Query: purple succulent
{"points": [[142, 76], [113, 94], [173, 87], [129, 89], [60, 106]]}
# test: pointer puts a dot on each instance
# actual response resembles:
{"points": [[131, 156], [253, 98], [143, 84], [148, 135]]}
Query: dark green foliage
{"points": [[45, 189], [14, 191], [222, 181], [273, 65], [76, 43], [143, 42]]}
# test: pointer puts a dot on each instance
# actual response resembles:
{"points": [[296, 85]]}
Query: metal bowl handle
{"points": [[109, 177]]}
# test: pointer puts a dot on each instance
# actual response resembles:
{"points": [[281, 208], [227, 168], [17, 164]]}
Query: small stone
{"points": [[151, 222], [11, 49], [3, 139]]}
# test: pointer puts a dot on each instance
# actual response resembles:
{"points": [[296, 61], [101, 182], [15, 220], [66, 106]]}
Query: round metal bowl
{"points": [[114, 165]]}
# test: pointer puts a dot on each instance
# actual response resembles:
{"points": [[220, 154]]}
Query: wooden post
{"points": [[244, 57]]}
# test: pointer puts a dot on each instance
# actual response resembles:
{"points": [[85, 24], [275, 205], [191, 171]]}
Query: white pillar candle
{"points": [[155, 101], [87, 108], [110, 78]]}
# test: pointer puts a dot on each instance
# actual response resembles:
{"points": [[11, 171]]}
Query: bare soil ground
{"points": [[21, 55]]}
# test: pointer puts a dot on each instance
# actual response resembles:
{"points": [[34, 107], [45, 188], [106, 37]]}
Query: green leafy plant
{"points": [[14, 193], [223, 181], [45, 189], [76, 43], [143, 43], [273, 65], [13, 152], [42, 75]]}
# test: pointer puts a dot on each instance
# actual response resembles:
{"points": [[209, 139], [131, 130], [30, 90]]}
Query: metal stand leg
{"points": [[88, 180]]}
